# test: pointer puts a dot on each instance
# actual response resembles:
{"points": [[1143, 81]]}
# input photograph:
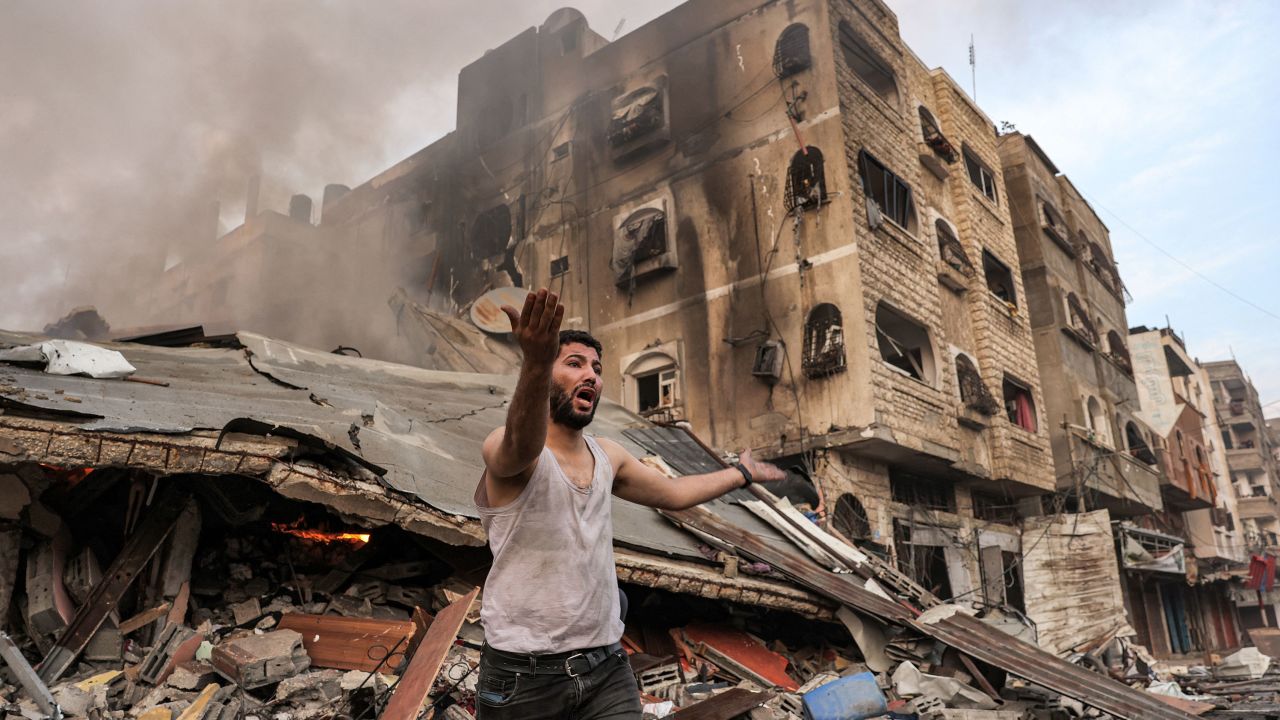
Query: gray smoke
{"points": [[122, 122]]}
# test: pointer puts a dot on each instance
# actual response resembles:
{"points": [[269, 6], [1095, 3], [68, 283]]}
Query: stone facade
{"points": [[1250, 453], [1076, 301]]}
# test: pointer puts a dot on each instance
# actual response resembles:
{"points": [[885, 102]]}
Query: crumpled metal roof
{"points": [[419, 430]]}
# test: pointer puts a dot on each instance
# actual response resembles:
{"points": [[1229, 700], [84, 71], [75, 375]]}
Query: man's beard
{"points": [[563, 412]]}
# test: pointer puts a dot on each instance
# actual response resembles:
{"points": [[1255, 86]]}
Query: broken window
{"points": [[924, 561], [1119, 353], [791, 54], [904, 343], [491, 232], [1137, 444], [921, 492], [1051, 220], [657, 386], [850, 519], [952, 251], [890, 195], [999, 278], [867, 64], [635, 115], [1103, 267], [559, 266], [823, 342], [934, 138], [806, 181], [1019, 405], [994, 509], [973, 391], [641, 237], [1078, 316], [980, 174]]}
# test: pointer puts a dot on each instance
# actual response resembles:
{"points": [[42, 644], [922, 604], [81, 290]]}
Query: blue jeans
{"points": [[608, 692]]}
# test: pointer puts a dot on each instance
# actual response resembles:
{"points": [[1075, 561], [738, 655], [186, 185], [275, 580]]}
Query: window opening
{"points": [[1019, 405], [921, 492], [559, 266], [1097, 420], [934, 138], [1119, 352], [1079, 318], [823, 342], [867, 64], [994, 509], [926, 564], [904, 343], [1103, 267], [791, 53], [494, 122], [1051, 220], [806, 181], [980, 175], [656, 390], [637, 114], [891, 195], [999, 278], [850, 518], [952, 251], [643, 236], [1138, 447], [973, 391], [491, 233]]}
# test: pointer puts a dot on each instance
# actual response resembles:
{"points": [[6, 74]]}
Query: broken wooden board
{"points": [[136, 553], [346, 643], [414, 685], [725, 706]]}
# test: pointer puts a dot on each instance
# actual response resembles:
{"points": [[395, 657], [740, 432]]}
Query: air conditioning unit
{"points": [[768, 364]]}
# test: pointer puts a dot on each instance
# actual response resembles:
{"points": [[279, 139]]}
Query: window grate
{"points": [[952, 251], [973, 391], [806, 180], [823, 342], [791, 54]]}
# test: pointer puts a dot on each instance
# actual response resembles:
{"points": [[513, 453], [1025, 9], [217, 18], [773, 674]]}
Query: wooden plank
{"points": [[725, 706], [346, 643], [414, 685], [143, 618]]}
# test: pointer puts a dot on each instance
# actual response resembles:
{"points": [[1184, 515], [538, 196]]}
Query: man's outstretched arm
{"points": [[511, 451], [645, 485]]}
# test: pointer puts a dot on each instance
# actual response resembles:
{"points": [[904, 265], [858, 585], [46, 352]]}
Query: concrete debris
{"points": [[257, 660]]}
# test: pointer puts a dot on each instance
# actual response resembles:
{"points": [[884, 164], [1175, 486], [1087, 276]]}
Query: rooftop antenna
{"points": [[973, 68], [618, 30]]}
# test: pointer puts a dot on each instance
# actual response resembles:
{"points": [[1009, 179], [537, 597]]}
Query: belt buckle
{"points": [[568, 664]]}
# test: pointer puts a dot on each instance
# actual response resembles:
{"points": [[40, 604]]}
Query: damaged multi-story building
{"points": [[788, 232], [1251, 461], [1177, 403]]}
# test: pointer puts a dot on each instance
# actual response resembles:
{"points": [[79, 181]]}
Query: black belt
{"points": [[573, 663]]}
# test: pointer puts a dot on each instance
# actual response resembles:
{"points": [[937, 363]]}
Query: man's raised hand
{"points": [[761, 471], [537, 326]]}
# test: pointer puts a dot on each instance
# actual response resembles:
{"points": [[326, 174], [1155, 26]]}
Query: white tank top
{"points": [[553, 586]]}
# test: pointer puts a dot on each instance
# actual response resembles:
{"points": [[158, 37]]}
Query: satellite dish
{"points": [[487, 313]]}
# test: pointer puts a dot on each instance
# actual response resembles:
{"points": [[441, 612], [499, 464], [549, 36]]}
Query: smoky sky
{"points": [[122, 122]]}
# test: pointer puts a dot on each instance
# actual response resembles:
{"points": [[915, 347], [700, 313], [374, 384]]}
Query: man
{"points": [[551, 603]]}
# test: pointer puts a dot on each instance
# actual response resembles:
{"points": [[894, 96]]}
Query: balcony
{"points": [[1124, 485], [1187, 490], [1244, 459], [1258, 506]]}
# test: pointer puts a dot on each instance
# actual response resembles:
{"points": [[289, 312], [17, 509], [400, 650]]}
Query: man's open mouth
{"points": [[586, 394]]}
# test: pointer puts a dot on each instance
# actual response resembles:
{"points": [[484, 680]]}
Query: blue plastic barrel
{"points": [[849, 698]]}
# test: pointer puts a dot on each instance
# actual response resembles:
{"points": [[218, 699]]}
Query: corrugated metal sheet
{"points": [[1072, 579], [959, 631], [420, 430]]}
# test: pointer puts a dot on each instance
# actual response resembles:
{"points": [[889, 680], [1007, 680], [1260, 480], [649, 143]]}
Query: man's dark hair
{"points": [[583, 337]]}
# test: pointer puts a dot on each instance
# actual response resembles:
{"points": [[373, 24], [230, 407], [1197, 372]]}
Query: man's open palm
{"points": [[537, 326]]}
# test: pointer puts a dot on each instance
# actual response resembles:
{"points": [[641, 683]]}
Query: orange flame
{"points": [[71, 475], [319, 535]]}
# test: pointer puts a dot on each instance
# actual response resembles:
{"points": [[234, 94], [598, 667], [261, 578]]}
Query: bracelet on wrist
{"points": [[746, 474]]}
